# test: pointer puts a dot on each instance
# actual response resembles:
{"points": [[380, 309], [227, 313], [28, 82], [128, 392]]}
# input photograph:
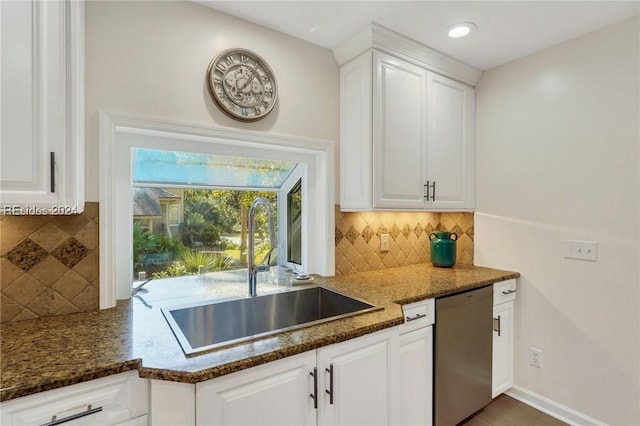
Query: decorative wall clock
{"points": [[242, 84]]}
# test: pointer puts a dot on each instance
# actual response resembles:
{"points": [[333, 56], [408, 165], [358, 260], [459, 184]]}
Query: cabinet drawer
{"points": [[417, 315], [108, 401], [504, 291]]}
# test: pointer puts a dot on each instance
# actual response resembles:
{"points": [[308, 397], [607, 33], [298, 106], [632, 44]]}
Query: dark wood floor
{"points": [[506, 411]]}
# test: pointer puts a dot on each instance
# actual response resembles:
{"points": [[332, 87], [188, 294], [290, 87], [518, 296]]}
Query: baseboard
{"points": [[552, 408]]}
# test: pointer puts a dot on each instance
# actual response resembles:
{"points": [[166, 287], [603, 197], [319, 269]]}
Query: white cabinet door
{"points": [[502, 376], [358, 380], [172, 403], [450, 152], [42, 113], [399, 133], [416, 377], [277, 393], [356, 149]]}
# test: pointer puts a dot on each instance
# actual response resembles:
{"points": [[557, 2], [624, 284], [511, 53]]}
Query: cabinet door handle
{"points": [[314, 395], [330, 390], [418, 316], [87, 412], [430, 190], [52, 167], [508, 292], [494, 325]]}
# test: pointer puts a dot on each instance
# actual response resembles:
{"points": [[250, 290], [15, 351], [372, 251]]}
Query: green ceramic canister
{"points": [[443, 248]]}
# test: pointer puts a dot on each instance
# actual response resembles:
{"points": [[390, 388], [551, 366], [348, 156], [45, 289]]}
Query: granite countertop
{"points": [[47, 353]]}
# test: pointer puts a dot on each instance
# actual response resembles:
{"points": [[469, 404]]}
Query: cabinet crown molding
{"points": [[375, 36]]}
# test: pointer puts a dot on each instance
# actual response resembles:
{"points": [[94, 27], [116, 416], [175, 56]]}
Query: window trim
{"points": [[119, 132], [298, 174]]}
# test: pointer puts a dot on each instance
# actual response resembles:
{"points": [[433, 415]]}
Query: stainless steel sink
{"points": [[207, 325]]}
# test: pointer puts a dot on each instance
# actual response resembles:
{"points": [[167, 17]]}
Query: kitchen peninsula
{"points": [[48, 353]]}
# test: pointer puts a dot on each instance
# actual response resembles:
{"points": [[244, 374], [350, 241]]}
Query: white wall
{"points": [[558, 157], [151, 58]]}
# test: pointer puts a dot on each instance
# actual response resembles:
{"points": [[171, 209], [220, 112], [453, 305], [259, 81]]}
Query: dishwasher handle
{"points": [[494, 325]]}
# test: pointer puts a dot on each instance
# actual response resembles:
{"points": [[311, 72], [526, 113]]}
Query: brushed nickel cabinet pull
{"points": [[494, 327], [52, 168], [85, 413], [430, 190], [330, 390], [418, 316], [314, 395]]}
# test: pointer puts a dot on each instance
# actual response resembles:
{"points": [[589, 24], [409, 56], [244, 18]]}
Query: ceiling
{"points": [[507, 30]]}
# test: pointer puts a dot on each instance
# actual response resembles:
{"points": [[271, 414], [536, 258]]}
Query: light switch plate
{"points": [[581, 250]]}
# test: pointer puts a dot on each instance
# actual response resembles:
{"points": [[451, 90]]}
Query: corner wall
{"points": [[558, 158]]}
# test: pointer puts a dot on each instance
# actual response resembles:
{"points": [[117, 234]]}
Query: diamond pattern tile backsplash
{"points": [[357, 238], [48, 265]]}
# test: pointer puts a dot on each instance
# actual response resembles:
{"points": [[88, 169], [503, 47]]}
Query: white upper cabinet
{"points": [[399, 133], [450, 153], [406, 132], [42, 110]]}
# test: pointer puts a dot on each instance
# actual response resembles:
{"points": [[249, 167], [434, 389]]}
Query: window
{"points": [[172, 167], [175, 218], [294, 224], [214, 192], [122, 134]]}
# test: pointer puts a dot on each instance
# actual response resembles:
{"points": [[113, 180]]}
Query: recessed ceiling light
{"points": [[462, 29]]}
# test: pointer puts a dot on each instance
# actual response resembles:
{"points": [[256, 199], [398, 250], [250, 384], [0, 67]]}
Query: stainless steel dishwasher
{"points": [[463, 349]]}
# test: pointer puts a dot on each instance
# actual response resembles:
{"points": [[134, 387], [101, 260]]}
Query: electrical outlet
{"points": [[535, 357], [384, 242], [581, 250]]}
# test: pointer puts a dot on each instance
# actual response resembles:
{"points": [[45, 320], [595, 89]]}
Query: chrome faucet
{"points": [[253, 269]]}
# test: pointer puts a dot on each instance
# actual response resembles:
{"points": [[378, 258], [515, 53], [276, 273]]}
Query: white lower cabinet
{"points": [[353, 384], [415, 393], [277, 393], [357, 381], [172, 403], [122, 399], [502, 362], [416, 377]]}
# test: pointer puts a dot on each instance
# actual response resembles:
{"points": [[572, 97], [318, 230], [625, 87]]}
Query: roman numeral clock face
{"points": [[242, 84]]}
